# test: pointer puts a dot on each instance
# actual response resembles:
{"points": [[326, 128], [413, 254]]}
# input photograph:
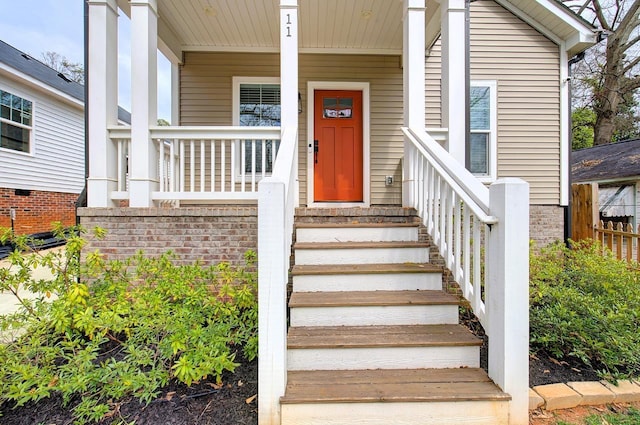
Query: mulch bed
{"points": [[205, 403], [235, 402]]}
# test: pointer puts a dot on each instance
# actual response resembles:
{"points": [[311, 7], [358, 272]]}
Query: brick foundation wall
{"points": [[546, 224], [209, 234], [36, 209]]}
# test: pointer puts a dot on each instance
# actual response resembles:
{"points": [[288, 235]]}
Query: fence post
{"points": [[507, 294], [272, 294], [584, 210]]}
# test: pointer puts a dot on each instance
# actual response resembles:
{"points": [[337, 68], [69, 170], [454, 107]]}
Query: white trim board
{"points": [[312, 86]]}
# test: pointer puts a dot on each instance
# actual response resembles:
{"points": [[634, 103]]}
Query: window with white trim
{"points": [[257, 104], [16, 121], [482, 145]]}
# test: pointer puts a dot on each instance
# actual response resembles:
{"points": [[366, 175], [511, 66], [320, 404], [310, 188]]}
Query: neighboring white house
{"points": [[42, 161], [357, 120]]}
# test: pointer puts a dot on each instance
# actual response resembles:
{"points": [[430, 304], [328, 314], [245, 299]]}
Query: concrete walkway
{"points": [[8, 302]]}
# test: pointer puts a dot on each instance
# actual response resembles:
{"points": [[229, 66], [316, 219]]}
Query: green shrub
{"points": [[587, 306], [102, 330]]}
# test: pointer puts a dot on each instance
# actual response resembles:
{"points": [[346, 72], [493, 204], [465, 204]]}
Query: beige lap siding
{"points": [[206, 99], [526, 66]]}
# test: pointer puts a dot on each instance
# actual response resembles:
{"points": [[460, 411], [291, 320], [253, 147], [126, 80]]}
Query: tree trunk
{"points": [[608, 96]]}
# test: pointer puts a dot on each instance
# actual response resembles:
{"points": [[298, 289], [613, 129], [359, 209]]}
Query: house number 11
{"points": [[288, 24]]}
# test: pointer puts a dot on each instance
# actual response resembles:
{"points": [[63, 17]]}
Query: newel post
{"points": [[507, 294], [272, 300]]}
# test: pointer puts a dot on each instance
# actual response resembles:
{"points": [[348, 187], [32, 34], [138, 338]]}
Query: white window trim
{"points": [[30, 128], [493, 129], [235, 104]]}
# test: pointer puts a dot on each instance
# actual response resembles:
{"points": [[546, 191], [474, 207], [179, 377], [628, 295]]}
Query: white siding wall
{"points": [[56, 162]]}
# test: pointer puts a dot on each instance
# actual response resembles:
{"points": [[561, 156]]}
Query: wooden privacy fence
{"points": [[619, 238], [622, 239]]}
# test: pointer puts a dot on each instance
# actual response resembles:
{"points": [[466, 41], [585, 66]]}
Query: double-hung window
{"points": [[16, 120], [482, 149], [257, 104]]}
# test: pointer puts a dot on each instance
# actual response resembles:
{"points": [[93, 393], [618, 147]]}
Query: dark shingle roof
{"points": [[32, 67], [613, 161]]}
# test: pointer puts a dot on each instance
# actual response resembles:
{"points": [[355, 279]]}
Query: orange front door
{"points": [[337, 151]]}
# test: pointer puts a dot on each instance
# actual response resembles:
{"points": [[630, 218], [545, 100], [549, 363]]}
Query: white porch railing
{"points": [[203, 163], [483, 235], [277, 199]]}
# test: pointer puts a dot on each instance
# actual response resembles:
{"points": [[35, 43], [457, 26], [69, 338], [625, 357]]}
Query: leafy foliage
{"points": [[587, 306], [102, 330], [583, 120]]}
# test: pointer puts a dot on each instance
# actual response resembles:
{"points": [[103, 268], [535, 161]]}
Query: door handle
{"points": [[315, 151]]}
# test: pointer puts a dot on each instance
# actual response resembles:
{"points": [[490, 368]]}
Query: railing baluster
{"points": [[213, 165], [264, 156], [432, 198], [183, 171], [436, 208], [477, 265], [121, 159], [253, 165], [223, 159], [172, 166], [466, 237], [243, 164], [449, 227], [203, 159], [232, 168], [192, 165], [443, 218]]}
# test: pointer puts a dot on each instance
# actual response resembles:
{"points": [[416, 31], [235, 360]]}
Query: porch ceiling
{"points": [[367, 26], [341, 26]]}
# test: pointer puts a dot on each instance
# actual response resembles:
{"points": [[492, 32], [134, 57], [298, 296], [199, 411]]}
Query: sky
{"points": [[39, 26]]}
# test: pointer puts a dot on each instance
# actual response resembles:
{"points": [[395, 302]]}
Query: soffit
{"points": [[367, 26]]}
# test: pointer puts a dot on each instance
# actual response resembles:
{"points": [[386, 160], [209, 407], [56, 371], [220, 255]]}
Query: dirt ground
{"points": [[576, 415]]}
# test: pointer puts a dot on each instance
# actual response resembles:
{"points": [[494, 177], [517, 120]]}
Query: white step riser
{"points": [[362, 256], [383, 358], [375, 315], [368, 282], [417, 413], [357, 234]]}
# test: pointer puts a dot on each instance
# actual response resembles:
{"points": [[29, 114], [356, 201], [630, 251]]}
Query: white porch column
{"points": [[272, 320], [454, 91], [413, 64], [144, 102], [102, 102], [175, 94], [289, 63], [507, 296]]}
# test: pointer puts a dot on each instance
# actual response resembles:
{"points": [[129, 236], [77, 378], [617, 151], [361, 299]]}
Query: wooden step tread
{"points": [[371, 298], [390, 385], [351, 245], [299, 270], [352, 225], [380, 336]]}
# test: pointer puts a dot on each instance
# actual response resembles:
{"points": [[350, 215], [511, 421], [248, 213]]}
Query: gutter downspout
{"points": [[568, 210]]}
